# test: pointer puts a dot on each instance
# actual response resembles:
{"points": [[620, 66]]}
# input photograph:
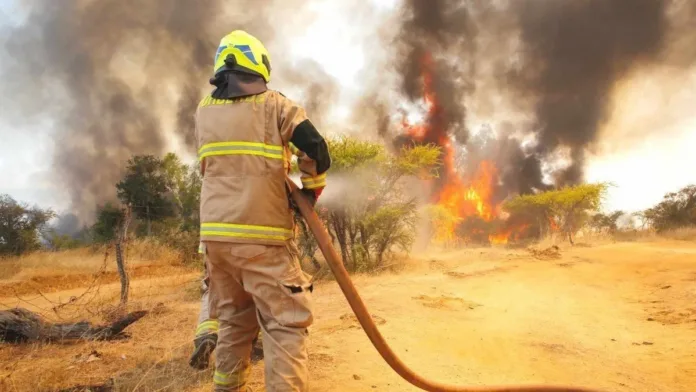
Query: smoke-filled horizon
{"points": [[119, 78], [557, 61], [123, 77]]}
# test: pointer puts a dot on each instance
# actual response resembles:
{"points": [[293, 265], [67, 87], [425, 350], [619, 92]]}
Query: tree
{"points": [[146, 188], [21, 226], [567, 208], [374, 213], [57, 241], [605, 222], [109, 219], [677, 209]]}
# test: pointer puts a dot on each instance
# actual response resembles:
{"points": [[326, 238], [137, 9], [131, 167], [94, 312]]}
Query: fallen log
{"points": [[23, 326]]}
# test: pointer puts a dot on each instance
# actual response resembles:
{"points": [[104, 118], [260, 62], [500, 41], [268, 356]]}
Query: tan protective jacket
{"points": [[244, 151]]}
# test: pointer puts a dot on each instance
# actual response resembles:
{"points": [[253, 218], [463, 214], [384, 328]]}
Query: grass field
{"points": [[617, 316]]}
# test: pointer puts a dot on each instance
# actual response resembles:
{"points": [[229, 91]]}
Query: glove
{"points": [[311, 197]]}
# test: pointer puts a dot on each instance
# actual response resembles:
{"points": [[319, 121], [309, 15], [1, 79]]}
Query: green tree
{"points": [[109, 219], [184, 184], [677, 209], [569, 208], [21, 226], [373, 215], [145, 188], [605, 222], [57, 241]]}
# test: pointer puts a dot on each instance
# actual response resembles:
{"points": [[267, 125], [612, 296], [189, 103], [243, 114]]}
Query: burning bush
{"points": [[565, 210]]}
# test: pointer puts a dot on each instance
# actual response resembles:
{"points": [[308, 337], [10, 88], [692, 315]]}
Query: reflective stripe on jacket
{"points": [[245, 155]]}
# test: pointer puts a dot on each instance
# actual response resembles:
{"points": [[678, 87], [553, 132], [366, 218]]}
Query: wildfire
{"points": [[504, 236], [457, 198], [553, 224]]}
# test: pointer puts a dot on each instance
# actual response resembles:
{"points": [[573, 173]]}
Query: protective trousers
{"points": [[206, 325], [252, 286]]}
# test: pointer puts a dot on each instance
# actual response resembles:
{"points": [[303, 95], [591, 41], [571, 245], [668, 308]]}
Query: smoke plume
{"points": [[558, 62], [432, 38], [118, 77], [575, 52]]}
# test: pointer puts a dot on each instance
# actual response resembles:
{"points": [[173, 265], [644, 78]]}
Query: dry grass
{"points": [[682, 234], [155, 357], [82, 284], [84, 260]]}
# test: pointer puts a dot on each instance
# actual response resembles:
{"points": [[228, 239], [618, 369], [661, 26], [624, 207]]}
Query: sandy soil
{"points": [[616, 317]]}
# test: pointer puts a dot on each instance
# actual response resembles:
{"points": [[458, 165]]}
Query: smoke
{"points": [[319, 89], [575, 53], [556, 62], [118, 78], [433, 38]]}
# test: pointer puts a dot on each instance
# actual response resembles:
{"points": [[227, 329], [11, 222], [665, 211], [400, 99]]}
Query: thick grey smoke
{"points": [[434, 39], [119, 78], [558, 60], [575, 52]]}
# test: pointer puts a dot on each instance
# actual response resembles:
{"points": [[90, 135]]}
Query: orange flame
{"points": [[504, 236], [553, 224], [459, 198]]}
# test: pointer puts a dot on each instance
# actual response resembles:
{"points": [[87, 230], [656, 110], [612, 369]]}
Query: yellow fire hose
{"points": [[368, 325]]}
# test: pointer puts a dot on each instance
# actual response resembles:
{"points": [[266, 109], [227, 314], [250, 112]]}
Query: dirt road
{"points": [[617, 317]]}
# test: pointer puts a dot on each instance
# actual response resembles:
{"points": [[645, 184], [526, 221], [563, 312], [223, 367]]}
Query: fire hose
{"points": [[368, 325]]}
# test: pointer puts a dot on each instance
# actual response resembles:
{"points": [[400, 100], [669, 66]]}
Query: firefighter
{"points": [[206, 331], [244, 133], [205, 338]]}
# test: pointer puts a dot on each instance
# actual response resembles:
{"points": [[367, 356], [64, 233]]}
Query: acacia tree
{"points": [[677, 209], [605, 222], [373, 213], [21, 226], [569, 208]]}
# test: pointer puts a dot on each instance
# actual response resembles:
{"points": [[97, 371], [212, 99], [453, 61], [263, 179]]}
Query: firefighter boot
{"points": [[203, 349]]}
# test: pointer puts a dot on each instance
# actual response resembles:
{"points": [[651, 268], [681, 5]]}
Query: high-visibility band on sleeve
{"points": [[293, 149], [201, 248], [245, 231], [233, 379], [240, 148], [207, 327], [314, 182]]}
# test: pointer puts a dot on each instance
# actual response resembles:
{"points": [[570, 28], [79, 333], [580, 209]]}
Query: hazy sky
{"points": [[648, 145]]}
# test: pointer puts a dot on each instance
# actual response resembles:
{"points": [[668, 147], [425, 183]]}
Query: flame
{"points": [[504, 236], [553, 224], [457, 198]]}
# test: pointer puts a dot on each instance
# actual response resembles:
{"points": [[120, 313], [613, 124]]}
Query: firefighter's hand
{"points": [[309, 195]]}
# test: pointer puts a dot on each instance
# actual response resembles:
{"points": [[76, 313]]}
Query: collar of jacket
{"points": [[229, 85]]}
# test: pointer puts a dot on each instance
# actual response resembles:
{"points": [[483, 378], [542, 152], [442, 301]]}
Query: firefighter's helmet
{"points": [[241, 51]]}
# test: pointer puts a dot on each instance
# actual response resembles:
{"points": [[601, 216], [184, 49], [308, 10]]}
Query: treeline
{"points": [[366, 208], [159, 195]]}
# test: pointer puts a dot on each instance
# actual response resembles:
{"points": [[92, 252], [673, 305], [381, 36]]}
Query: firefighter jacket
{"points": [[245, 146]]}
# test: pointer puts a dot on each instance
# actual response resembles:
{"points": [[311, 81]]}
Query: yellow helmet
{"points": [[242, 51]]}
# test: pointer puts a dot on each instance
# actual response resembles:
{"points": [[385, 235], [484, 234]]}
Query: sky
{"points": [[647, 146]]}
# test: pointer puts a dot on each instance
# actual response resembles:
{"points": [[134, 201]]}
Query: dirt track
{"points": [[582, 320], [618, 317]]}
